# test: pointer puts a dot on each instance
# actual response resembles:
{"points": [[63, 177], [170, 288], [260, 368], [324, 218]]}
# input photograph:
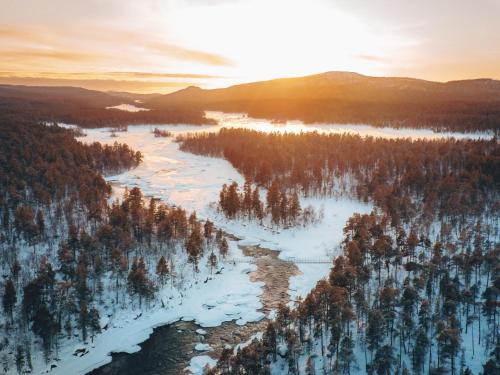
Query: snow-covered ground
{"points": [[193, 182]]}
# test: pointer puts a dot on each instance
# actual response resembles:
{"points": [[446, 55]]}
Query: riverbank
{"points": [[171, 347]]}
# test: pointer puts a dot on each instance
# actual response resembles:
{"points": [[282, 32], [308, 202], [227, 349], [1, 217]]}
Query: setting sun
{"points": [[163, 46], [264, 39]]}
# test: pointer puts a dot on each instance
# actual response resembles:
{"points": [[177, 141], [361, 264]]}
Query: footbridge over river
{"points": [[253, 260]]}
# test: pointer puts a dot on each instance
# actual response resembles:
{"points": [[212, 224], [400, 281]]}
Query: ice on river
{"points": [[193, 182]]}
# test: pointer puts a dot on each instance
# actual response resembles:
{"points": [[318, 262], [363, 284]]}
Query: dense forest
{"points": [[68, 255], [415, 290], [407, 179]]}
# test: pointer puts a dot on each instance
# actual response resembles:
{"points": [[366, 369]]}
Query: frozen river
{"points": [[194, 182]]}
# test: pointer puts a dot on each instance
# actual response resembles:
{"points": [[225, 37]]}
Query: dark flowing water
{"points": [[170, 347]]}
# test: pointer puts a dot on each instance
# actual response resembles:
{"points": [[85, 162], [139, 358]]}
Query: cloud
{"points": [[140, 82], [181, 53], [164, 75], [372, 58], [100, 84], [109, 75], [109, 46], [48, 54]]}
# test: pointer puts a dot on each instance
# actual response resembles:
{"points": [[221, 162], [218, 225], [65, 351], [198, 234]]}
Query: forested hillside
{"points": [[344, 97], [88, 108]]}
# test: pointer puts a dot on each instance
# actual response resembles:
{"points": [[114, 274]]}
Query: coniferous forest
{"points": [[416, 279], [67, 248], [415, 288], [251, 187]]}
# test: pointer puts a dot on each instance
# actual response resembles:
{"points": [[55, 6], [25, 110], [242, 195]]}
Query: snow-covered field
{"points": [[194, 182]]}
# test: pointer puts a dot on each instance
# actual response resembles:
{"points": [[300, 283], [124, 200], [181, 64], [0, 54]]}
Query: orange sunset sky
{"points": [[162, 46]]}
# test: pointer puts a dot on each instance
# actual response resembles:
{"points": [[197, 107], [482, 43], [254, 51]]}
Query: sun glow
{"points": [[162, 46], [266, 39]]}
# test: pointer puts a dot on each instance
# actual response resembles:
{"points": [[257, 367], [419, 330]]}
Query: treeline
{"points": [[440, 116], [67, 256], [281, 208], [439, 178], [158, 133], [394, 303]]}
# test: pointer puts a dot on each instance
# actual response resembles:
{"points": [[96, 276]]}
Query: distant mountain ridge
{"points": [[90, 98], [341, 85], [331, 97], [347, 97]]}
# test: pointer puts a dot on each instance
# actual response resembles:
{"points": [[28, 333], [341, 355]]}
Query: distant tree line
{"points": [[96, 115]]}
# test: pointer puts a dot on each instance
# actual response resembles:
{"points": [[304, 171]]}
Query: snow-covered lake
{"points": [[194, 182], [128, 108], [240, 120]]}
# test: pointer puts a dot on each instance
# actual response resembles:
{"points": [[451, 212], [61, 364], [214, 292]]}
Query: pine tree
{"points": [[19, 359], [138, 281], [384, 360], [223, 247], [273, 202], [310, 368], [375, 330], [9, 298], [194, 246], [83, 320], [420, 350], [223, 199], [40, 223], [294, 207], [246, 203], [212, 261], [346, 355], [94, 323], [233, 204], [257, 206], [208, 229], [16, 269], [162, 269]]}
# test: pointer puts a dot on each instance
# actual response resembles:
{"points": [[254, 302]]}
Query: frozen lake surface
{"points": [[240, 120], [128, 108]]}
